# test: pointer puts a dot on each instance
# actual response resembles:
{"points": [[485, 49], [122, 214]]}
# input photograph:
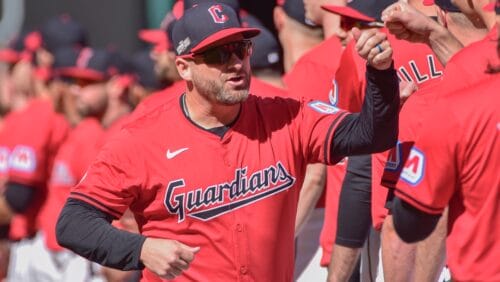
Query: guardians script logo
{"points": [[218, 199]]}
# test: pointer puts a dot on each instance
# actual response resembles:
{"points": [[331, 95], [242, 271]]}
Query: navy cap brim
{"points": [[347, 12], [223, 34]]}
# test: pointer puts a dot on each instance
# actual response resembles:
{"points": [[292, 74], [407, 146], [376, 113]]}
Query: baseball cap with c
{"points": [[205, 25]]}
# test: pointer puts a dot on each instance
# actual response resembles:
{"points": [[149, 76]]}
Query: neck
{"points": [[19, 101], [331, 25], [297, 47], [114, 111], [207, 114]]}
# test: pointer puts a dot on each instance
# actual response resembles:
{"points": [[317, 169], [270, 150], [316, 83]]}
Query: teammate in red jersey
{"points": [[235, 212], [410, 126], [452, 163]]}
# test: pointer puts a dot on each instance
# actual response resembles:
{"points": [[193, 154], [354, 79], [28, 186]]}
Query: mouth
{"points": [[236, 80]]}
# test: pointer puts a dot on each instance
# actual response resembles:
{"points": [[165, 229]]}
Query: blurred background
{"points": [[109, 22]]}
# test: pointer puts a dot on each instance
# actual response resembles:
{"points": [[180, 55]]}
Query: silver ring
{"points": [[380, 49]]}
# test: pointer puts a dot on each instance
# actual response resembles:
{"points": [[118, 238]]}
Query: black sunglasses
{"points": [[220, 55]]}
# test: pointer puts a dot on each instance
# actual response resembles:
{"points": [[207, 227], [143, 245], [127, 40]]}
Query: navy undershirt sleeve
{"points": [[88, 232], [354, 214], [375, 128]]}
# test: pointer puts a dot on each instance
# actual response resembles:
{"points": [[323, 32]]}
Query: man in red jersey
{"points": [[212, 177], [483, 53], [452, 163], [416, 64]]}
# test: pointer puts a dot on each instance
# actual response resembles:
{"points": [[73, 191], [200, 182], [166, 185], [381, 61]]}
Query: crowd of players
{"points": [[62, 100]]}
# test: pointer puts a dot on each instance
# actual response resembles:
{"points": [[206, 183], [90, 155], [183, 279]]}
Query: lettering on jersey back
{"points": [[218, 199], [419, 74]]}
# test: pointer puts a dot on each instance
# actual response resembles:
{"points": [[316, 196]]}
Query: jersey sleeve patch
{"points": [[323, 108], [23, 159], [405, 162], [333, 96]]}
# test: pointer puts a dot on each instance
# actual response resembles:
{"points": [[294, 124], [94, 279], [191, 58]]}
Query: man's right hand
{"points": [[167, 258], [407, 23]]}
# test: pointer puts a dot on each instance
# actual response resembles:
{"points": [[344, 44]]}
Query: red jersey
{"points": [[235, 196], [413, 62], [158, 98], [261, 88], [471, 63], [312, 74], [454, 162], [465, 68], [71, 162], [31, 139]]}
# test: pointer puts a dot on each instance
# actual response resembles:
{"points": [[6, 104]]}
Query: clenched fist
{"points": [[167, 258], [373, 46]]}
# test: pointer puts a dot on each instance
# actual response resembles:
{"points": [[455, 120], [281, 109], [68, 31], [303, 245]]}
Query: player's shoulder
{"points": [[160, 115]]}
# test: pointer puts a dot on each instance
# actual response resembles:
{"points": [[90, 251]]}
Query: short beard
{"points": [[218, 94]]}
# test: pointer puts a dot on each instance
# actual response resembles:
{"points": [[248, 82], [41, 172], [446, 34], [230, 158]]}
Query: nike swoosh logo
{"points": [[173, 154]]}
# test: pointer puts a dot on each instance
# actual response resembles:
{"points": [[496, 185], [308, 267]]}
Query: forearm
{"points": [[311, 191], [443, 44], [87, 231], [375, 129]]}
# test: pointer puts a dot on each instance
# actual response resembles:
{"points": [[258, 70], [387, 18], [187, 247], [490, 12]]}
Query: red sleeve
{"points": [[423, 172], [318, 124], [113, 181]]}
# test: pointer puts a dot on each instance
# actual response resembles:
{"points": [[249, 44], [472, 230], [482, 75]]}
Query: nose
{"points": [[235, 63]]}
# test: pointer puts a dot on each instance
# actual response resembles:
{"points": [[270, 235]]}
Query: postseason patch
{"points": [[323, 108]]}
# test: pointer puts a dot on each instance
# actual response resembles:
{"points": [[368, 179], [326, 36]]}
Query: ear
{"points": [[278, 17], [183, 68]]}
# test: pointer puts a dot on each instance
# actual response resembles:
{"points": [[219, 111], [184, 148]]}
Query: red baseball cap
{"points": [[362, 10], [205, 25]]}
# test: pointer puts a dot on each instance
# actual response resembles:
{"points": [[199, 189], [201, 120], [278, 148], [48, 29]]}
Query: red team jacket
{"points": [[204, 191]]}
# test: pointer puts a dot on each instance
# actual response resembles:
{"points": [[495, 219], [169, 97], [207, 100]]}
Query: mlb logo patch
{"points": [[323, 108], [413, 170], [23, 159], [404, 162], [4, 159]]}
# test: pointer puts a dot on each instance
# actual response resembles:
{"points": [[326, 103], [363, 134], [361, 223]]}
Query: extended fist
{"points": [[167, 258], [373, 46]]}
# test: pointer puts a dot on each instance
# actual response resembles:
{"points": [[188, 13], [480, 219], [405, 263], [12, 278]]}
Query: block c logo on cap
{"points": [[217, 15]]}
